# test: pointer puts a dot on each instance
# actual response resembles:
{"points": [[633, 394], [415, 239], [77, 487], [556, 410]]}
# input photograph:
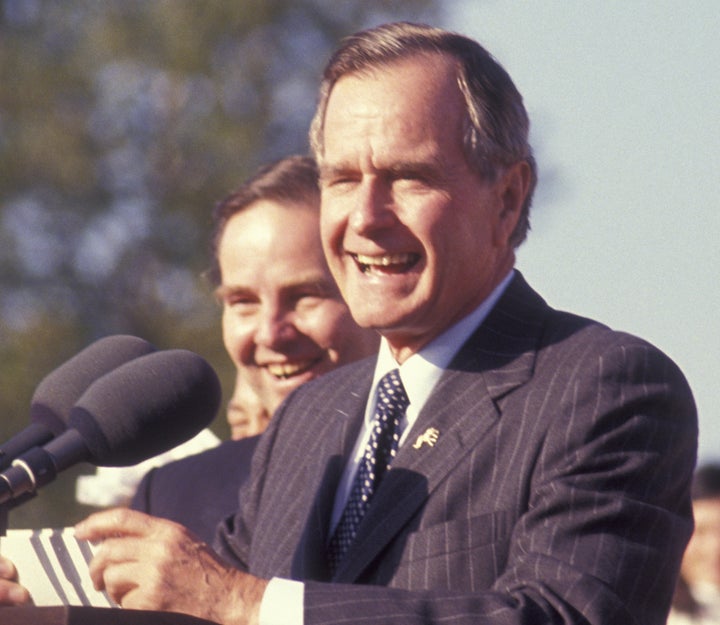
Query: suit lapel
{"points": [[345, 415], [498, 358]]}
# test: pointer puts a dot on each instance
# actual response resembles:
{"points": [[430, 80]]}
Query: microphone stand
{"points": [[20, 481], [8, 505]]}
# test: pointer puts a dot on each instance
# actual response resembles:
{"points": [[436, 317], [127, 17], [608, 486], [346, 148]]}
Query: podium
{"points": [[76, 615]]}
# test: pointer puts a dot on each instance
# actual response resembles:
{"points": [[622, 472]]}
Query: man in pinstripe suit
{"points": [[544, 462]]}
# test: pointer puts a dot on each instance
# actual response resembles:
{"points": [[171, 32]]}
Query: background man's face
{"points": [[283, 317]]}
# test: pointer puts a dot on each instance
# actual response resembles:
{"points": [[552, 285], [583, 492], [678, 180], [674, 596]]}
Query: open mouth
{"points": [[386, 263], [286, 370]]}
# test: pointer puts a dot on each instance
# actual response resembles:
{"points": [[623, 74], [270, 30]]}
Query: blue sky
{"points": [[624, 98]]}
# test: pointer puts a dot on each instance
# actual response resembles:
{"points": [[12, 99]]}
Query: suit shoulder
{"points": [[524, 312], [594, 334], [208, 461], [564, 337]]}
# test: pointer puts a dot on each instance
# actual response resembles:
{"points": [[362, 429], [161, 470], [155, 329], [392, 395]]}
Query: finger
{"points": [[114, 552], [12, 593], [160, 549], [119, 580], [114, 522], [137, 586], [7, 569], [136, 599]]}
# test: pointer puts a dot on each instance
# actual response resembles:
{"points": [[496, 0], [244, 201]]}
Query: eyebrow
{"points": [[431, 168], [330, 171], [315, 281], [224, 290]]}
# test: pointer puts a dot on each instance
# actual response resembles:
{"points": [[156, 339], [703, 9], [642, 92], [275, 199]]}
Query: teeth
{"points": [[288, 369], [384, 261]]}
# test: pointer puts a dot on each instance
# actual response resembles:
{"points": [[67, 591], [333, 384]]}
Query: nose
{"points": [[373, 209], [275, 328]]}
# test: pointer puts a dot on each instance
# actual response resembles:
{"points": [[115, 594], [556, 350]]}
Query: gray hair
{"points": [[497, 125]]}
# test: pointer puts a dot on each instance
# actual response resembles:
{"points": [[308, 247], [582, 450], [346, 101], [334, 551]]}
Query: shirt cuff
{"points": [[282, 602]]}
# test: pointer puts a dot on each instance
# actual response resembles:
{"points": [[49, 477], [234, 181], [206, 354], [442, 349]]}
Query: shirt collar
{"points": [[421, 371]]}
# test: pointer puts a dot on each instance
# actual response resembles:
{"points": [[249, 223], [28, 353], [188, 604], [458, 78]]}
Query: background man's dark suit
{"points": [[198, 491], [564, 456]]}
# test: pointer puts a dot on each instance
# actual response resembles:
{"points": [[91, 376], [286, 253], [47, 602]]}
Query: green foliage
{"points": [[122, 122]]}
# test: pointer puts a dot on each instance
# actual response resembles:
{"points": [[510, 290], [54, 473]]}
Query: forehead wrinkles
{"points": [[414, 104]]}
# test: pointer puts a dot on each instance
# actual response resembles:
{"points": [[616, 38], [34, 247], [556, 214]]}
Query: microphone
{"points": [[144, 407], [56, 394]]}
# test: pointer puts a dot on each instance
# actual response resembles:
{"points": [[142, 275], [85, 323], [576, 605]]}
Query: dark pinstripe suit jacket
{"points": [[557, 491], [198, 491]]}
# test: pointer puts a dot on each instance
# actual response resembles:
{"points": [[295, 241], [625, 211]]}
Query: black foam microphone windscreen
{"points": [[58, 391], [146, 407], [138, 410]]}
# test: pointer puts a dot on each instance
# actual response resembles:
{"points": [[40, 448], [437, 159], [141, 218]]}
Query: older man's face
{"points": [[414, 238]]}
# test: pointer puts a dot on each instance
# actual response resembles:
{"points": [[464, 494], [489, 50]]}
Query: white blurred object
{"points": [[115, 486]]}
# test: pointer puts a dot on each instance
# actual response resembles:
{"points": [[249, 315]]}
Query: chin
{"points": [[238, 433]]}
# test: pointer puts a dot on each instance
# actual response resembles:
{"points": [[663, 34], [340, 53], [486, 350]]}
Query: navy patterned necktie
{"points": [[392, 401]]}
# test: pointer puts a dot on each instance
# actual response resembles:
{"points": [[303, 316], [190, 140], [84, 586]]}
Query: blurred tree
{"points": [[121, 123]]}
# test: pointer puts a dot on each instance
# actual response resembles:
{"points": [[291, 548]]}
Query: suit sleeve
{"points": [[233, 534], [608, 510], [141, 499]]}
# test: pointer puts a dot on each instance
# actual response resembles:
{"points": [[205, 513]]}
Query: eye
{"points": [[407, 182], [240, 303], [414, 177], [304, 301], [338, 181], [411, 180], [342, 185], [311, 297]]}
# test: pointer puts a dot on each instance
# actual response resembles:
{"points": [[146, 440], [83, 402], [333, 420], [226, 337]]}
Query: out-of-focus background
{"points": [[123, 122]]}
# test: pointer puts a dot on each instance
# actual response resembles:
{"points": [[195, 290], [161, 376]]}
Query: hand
{"points": [[11, 593], [154, 564]]}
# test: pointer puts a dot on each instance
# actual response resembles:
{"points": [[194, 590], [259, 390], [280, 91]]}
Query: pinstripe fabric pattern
{"points": [[557, 492]]}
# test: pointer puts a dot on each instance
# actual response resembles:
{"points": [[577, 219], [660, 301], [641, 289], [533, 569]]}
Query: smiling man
{"points": [[415, 238], [284, 324], [500, 461]]}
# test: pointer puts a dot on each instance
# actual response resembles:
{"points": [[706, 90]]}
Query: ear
{"points": [[513, 187]]}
